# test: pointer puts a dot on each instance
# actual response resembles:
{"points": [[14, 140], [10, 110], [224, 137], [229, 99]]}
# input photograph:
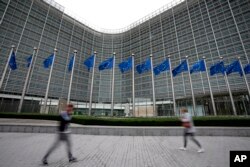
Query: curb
{"points": [[130, 131]]}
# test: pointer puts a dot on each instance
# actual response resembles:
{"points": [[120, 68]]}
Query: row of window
{"points": [[138, 42]]}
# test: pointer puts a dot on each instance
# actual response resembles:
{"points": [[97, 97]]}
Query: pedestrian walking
{"points": [[189, 130], [63, 135]]}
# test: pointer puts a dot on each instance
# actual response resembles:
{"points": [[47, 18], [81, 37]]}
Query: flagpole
{"points": [[92, 83], [191, 86], [26, 81], [133, 83], [6, 66], [229, 90], [153, 84], [50, 74], [172, 84], [113, 77], [244, 76], [210, 89], [71, 77]]}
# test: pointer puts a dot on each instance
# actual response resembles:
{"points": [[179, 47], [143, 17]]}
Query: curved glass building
{"points": [[194, 28]]}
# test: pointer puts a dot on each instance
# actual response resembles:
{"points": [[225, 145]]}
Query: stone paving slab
{"points": [[27, 149]]}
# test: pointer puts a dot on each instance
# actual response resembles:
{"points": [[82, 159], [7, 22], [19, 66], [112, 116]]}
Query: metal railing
{"points": [[113, 31]]}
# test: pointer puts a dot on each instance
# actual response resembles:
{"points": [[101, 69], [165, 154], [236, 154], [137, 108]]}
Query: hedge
{"points": [[233, 121]]}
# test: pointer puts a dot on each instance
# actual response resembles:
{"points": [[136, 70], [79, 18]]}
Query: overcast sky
{"points": [[112, 14]]}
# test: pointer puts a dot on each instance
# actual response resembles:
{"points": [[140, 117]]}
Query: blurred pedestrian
{"points": [[63, 134], [189, 130]]}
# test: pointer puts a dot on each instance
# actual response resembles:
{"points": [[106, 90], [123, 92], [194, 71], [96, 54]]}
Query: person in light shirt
{"points": [[63, 135], [189, 130]]}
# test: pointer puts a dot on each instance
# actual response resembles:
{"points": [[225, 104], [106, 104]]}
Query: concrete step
{"points": [[129, 131]]}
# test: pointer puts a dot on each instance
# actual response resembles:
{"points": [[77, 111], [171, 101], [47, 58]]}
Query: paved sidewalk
{"points": [[27, 149]]}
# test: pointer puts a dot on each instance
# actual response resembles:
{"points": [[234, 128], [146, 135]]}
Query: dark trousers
{"points": [[186, 134], [65, 137]]}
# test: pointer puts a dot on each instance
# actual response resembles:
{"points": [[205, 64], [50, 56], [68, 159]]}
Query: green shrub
{"points": [[232, 121]]}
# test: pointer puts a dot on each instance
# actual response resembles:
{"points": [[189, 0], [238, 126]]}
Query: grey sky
{"points": [[112, 14]]}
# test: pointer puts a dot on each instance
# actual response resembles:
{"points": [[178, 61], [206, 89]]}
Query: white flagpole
{"points": [[26, 81], [6, 66], [229, 90], [133, 83], [210, 89], [244, 76], [153, 84], [71, 77], [113, 84], [191, 86], [47, 90], [172, 84], [4, 12], [92, 83]]}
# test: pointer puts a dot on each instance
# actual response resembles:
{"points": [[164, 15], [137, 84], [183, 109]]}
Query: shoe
{"points": [[183, 148], [45, 162], [201, 150], [72, 159]]}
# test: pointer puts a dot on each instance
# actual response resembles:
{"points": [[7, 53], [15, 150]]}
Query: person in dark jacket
{"points": [[63, 134]]}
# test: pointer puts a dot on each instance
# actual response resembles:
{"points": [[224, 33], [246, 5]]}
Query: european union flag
{"points": [[12, 62], [71, 62], [164, 66], [126, 65], [107, 64], [198, 66], [180, 68], [247, 69], [145, 66], [48, 61], [217, 68], [89, 62], [29, 60], [234, 67]]}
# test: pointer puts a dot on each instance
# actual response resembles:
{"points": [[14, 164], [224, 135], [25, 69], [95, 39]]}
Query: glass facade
{"points": [[193, 28]]}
